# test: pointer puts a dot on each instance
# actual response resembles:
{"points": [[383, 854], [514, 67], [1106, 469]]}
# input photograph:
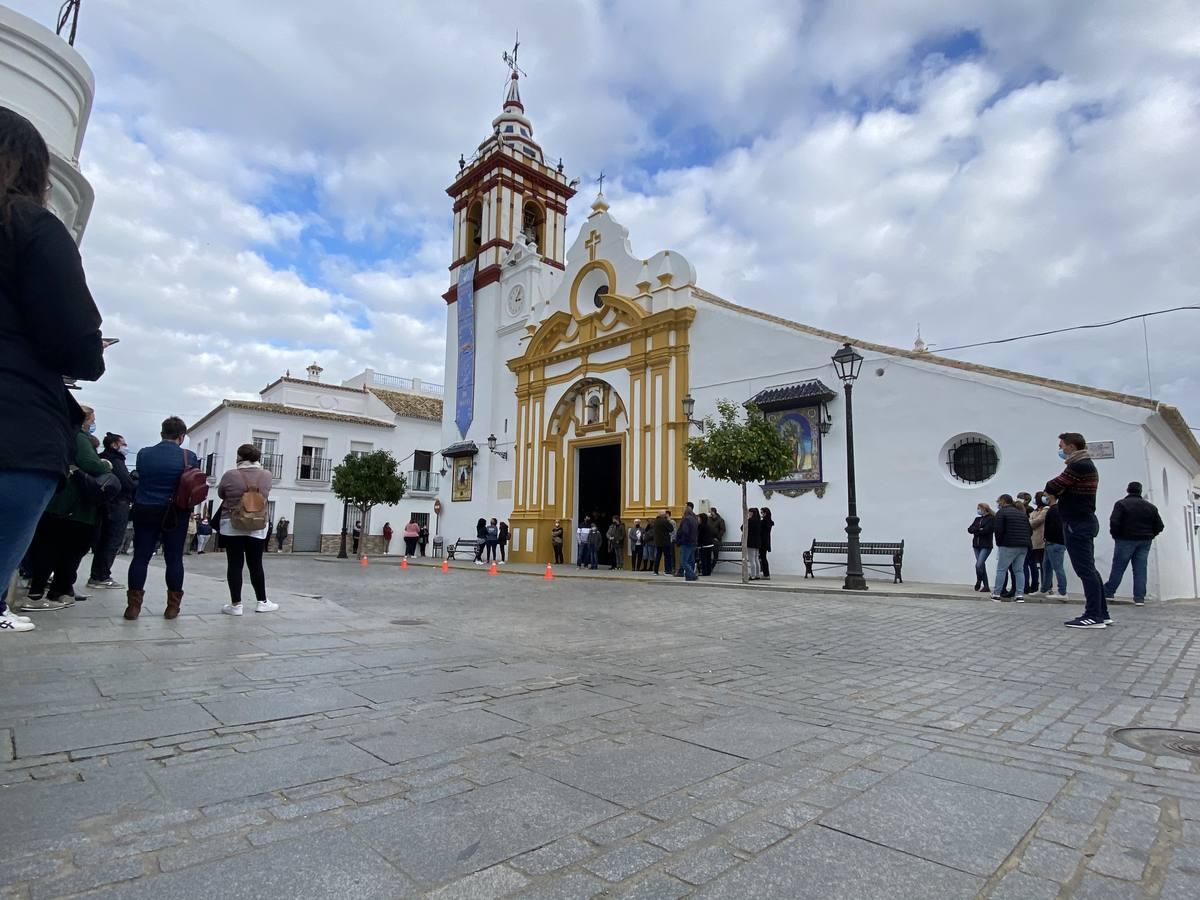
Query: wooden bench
{"points": [[462, 545], [729, 552], [894, 551]]}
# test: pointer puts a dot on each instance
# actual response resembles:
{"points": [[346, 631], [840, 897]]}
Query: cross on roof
{"points": [[601, 180], [511, 58]]}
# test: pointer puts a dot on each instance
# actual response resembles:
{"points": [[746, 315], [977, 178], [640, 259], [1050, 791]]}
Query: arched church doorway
{"points": [[598, 469]]}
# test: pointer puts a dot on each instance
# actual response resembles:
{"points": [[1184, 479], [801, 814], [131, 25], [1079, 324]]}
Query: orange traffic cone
{"points": [[445, 566], [549, 576], [363, 562], [404, 562], [492, 570]]}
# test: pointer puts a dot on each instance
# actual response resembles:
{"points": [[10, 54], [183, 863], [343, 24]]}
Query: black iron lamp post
{"points": [[689, 409], [342, 548], [848, 364]]}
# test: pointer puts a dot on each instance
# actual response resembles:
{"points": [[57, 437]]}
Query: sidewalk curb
{"points": [[431, 563]]}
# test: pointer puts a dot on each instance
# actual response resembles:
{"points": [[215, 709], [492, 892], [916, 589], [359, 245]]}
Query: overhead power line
{"points": [[1036, 334]]}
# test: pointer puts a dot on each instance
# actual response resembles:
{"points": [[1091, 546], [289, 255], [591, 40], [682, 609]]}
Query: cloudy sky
{"points": [[270, 176]]}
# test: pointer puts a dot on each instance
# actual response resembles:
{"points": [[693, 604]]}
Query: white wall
{"points": [[903, 419]]}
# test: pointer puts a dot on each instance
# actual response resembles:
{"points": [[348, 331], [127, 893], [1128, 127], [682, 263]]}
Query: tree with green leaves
{"points": [[365, 480], [742, 452]]}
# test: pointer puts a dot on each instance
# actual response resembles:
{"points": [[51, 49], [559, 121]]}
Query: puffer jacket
{"points": [[1037, 522], [1012, 528]]}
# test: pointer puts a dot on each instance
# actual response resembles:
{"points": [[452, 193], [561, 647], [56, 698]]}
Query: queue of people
{"points": [[491, 542], [1033, 533]]}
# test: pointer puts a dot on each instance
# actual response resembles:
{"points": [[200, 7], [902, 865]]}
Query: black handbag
{"points": [[96, 489]]}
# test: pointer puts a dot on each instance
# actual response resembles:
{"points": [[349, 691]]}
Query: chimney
{"points": [[314, 372]]}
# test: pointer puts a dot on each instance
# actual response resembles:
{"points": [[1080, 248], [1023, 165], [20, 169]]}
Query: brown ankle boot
{"points": [[174, 598], [133, 604]]}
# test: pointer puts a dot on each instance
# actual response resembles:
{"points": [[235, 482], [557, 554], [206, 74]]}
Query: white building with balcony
{"points": [[305, 427]]}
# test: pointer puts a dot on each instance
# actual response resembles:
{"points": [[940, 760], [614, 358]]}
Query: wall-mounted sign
{"points": [[1101, 450]]}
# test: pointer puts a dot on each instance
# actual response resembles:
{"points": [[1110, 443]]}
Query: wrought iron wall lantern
{"points": [[689, 409], [491, 445]]}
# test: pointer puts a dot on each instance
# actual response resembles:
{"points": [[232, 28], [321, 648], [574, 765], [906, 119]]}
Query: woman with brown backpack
{"points": [[244, 525]]}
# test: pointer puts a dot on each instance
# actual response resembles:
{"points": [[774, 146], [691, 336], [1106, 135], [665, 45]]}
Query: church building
{"points": [[576, 369]]}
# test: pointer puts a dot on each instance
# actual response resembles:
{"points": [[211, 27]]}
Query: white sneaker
{"points": [[8, 626], [232, 609], [13, 617], [478, 563], [266, 606]]}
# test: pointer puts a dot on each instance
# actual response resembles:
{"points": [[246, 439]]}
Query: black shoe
{"points": [[1139, 602], [1084, 622]]}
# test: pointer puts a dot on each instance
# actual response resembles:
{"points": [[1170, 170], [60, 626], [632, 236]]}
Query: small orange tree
{"points": [[741, 452]]}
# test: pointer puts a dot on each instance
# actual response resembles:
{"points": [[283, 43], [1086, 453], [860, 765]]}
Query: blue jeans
{"points": [[1080, 535], [1010, 559], [687, 561], [981, 555], [1052, 566], [1126, 552], [150, 525], [24, 495]]}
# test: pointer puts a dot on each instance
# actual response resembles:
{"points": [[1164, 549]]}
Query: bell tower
{"points": [[507, 194]]}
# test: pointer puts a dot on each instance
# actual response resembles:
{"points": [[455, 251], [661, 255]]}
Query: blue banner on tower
{"points": [[464, 404]]}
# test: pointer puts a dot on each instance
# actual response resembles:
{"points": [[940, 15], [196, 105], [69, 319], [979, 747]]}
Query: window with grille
{"points": [[973, 460]]}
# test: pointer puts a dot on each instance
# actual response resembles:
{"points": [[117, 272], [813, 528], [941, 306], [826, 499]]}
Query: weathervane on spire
{"points": [[510, 59]]}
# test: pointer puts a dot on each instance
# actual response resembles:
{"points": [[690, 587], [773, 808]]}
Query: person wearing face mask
{"points": [[1076, 491], [1056, 549], [981, 543], [64, 534], [113, 519]]}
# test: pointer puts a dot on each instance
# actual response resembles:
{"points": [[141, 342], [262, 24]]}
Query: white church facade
{"points": [[579, 361]]}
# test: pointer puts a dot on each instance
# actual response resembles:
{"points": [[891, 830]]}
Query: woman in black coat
{"points": [[480, 540], [981, 531], [753, 536], [766, 523], [706, 541], [49, 328]]}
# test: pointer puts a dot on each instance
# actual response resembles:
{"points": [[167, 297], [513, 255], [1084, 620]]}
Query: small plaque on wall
{"points": [[1101, 450], [504, 490]]}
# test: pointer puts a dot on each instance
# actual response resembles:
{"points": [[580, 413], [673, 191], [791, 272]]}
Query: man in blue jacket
{"points": [[688, 537], [155, 516]]}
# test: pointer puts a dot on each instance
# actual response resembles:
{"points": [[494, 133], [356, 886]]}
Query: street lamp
{"points": [[345, 514], [848, 364], [491, 445], [689, 407]]}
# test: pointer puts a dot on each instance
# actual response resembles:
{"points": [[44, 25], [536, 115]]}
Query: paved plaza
{"points": [[397, 733]]}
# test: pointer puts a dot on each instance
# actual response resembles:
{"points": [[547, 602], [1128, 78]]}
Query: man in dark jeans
{"points": [[1134, 524], [110, 533], [155, 517], [1076, 490]]}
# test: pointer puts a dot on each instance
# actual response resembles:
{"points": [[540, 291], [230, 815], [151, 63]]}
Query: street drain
{"points": [[409, 622], [1168, 741]]}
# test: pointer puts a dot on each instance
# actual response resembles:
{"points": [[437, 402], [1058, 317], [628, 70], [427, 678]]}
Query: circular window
{"points": [[598, 297], [971, 459]]}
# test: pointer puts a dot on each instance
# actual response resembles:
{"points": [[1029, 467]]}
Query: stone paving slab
{"points": [[819, 864], [750, 735], [993, 776], [403, 687], [33, 812], [463, 834], [637, 771], [270, 705], [558, 705], [333, 864], [72, 732], [246, 774], [402, 741], [965, 827]]}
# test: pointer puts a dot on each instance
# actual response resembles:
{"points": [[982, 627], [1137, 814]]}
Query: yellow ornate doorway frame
{"points": [[614, 375]]}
